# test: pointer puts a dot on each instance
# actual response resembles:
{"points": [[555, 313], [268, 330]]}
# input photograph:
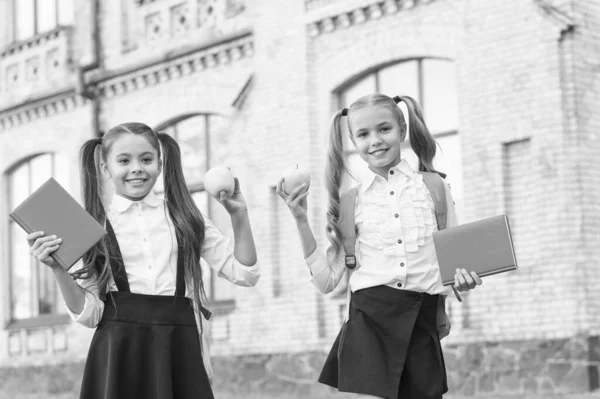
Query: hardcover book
{"points": [[54, 211], [484, 246]]}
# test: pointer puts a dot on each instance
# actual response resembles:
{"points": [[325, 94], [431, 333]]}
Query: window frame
{"points": [[43, 320], [13, 33], [218, 306]]}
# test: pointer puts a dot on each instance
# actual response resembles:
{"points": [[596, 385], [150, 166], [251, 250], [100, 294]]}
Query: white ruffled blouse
{"points": [[395, 220]]}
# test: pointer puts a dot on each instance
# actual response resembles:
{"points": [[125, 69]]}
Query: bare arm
{"points": [[325, 269]]}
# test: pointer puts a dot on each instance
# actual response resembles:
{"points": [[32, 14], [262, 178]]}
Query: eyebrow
{"points": [[142, 154], [378, 125]]}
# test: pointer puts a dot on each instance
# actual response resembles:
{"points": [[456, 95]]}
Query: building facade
{"points": [[508, 89]]}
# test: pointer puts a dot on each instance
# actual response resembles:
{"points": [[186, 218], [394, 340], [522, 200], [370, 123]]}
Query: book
{"points": [[54, 211], [484, 246]]}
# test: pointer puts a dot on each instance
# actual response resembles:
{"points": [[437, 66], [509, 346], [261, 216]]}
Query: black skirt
{"points": [[389, 347], [146, 347]]}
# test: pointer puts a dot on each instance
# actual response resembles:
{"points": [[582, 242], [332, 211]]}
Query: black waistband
{"points": [[393, 296], [148, 309]]}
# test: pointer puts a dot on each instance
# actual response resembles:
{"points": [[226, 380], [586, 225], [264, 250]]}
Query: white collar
{"points": [[121, 204]]}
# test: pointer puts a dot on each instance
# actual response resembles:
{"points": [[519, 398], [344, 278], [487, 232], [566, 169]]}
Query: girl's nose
{"points": [[375, 139]]}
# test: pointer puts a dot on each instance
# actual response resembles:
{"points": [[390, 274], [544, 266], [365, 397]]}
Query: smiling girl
{"points": [[390, 345], [141, 285]]}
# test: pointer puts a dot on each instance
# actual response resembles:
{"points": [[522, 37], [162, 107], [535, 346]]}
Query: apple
{"points": [[219, 179], [294, 176]]}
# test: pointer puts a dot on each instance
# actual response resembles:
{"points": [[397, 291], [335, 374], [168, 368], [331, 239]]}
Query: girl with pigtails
{"points": [[389, 347], [141, 286]]}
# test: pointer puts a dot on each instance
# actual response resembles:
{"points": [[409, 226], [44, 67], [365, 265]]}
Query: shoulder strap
{"points": [[347, 211], [436, 187]]}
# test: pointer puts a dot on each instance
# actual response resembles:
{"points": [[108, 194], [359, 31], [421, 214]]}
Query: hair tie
{"points": [[404, 110], [99, 141], [344, 111]]}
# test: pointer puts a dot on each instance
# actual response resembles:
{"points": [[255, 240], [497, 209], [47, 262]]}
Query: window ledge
{"points": [[39, 322], [34, 41]]}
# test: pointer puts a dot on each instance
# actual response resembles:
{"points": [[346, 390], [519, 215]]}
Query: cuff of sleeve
{"points": [[249, 275], [253, 268], [313, 258], [85, 313]]}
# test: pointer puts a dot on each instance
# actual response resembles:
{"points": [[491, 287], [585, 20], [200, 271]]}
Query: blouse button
{"points": [[401, 264], [391, 193], [399, 285], [396, 215], [391, 172], [399, 241]]}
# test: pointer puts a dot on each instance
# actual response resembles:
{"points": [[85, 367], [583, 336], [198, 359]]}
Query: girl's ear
{"points": [[404, 133], [104, 170]]}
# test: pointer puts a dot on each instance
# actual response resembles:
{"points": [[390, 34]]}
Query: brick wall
{"points": [[586, 62]]}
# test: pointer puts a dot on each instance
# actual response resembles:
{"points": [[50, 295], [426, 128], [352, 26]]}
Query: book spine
{"points": [[20, 222], [29, 230]]}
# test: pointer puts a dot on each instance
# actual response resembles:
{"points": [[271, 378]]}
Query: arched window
{"points": [[34, 295], [432, 82], [203, 142]]}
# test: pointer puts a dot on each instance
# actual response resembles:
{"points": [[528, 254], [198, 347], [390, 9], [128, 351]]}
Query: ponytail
{"points": [[186, 217], [421, 141], [96, 259], [334, 170]]}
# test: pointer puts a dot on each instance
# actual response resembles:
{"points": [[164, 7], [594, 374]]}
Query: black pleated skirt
{"points": [[389, 347], [145, 347]]}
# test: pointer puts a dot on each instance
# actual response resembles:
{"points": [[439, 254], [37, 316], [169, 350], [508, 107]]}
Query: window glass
{"points": [[24, 19], [400, 80], [440, 104], [46, 15], [66, 12]]}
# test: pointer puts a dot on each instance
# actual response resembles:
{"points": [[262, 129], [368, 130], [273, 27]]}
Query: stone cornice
{"points": [[34, 41], [56, 103], [166, 69], [345, 14]]}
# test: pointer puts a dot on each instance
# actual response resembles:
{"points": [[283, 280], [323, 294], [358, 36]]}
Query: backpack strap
{"points": [[435, 184], [347, 212]]}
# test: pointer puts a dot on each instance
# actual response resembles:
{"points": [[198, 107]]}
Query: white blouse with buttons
{"points": [[146, 237], [395, 220]]}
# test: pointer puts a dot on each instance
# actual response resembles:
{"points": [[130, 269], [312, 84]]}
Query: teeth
{"points": [[137, 181], [378, 152]]}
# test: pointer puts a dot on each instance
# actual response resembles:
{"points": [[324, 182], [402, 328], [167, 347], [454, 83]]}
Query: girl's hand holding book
{"points": [[465, 281], [296, 200], [42, 246]]}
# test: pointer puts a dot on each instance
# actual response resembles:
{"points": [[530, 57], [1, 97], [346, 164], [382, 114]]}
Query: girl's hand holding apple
{"points": [[220, 183], [293, 189]]}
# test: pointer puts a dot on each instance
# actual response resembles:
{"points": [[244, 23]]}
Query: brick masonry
{"points": [[523, 74]]}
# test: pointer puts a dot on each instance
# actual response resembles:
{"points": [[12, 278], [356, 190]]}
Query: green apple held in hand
{"points": [[294, 176], [219, 179]]}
